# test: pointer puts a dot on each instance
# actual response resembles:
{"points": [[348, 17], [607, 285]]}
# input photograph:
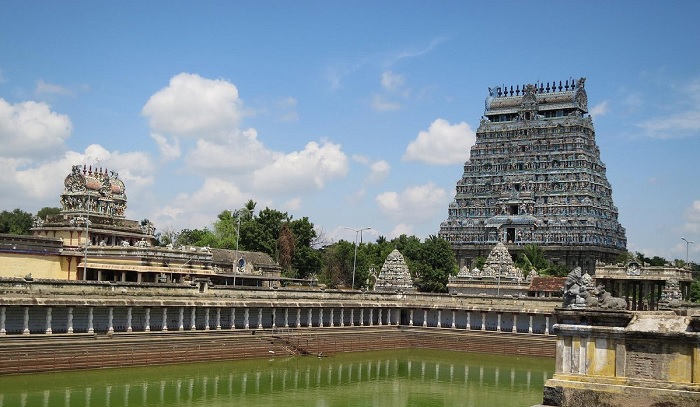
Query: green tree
{"points": [[435, 264], [48, 211], [17, 222], [196, 237]]}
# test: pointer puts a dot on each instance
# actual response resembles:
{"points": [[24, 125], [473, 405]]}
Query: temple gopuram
{"points": [[535, 176]]}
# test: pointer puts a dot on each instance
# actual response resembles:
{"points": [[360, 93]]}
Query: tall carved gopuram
{"points": [[535, 176]]}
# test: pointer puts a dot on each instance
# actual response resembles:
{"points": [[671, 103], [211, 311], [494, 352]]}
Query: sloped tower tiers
{"points": [[535, 176], [394, 274]]}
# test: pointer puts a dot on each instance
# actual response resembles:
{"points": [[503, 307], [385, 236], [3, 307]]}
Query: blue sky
{"points": [[354, 114]]}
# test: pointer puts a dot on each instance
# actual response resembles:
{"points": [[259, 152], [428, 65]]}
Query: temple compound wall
{"points": [[535, 176], [622, 358]]}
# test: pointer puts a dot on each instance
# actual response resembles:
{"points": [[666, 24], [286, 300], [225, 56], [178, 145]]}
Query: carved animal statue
{"points": [[606, 300]]}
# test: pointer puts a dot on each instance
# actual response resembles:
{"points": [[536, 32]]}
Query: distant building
{"points": [[535, 176], [90, 239]]}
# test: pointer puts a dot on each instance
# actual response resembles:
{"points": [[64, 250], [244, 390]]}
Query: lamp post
{"points": [[354, 260], [687, 243]]}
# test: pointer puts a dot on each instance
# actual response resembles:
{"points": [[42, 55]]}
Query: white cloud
{"points": [[169, 150], [292, 204], [686, 122], [307, 169], [380, 170], [692, 218], [241, 151], [392, 81], [194, 106], [43, 88], [415, 204], [31, 130], [600, 109], [287, 108], [379, 103], [442, 144], [401, 229]]}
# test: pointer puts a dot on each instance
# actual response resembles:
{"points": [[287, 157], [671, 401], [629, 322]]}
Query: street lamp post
{"points": [[687, 243], [354, 260]]}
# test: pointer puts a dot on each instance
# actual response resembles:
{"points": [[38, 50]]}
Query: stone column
{"points": [[342, 317], [274, 318], [331, 318], [320, 317], [498, 323], [483, 321], [388, 316], [181, 319], [3, 317], [206, 318], [454, 315], [128, 319], [286, 317], [49, 310], [260, 325], [148, 320], [380, 313], [546, 325], [165, 319], [469, 320], [69, 328], [410, 318], [425, 317], [309, 321], [529, 327], [246, 318], [298, 317], [110, 320], [218, 318], [439, 321], [193, 319], [25, 331], [515, 323], [233, 318], [352, 316], [362, 316], [371, 316]]}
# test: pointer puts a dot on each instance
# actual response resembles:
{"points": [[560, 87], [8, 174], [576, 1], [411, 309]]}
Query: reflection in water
{"points": [[416, 378]]}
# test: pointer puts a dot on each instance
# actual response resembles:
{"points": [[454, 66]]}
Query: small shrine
{"points": [[498, 276], [394, 274]]}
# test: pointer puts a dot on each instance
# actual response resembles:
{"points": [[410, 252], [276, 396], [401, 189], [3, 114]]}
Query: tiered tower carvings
{"points": [[534, 176]]}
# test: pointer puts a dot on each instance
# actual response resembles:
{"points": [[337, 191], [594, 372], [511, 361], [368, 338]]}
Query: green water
{"points": [[414, 378]]}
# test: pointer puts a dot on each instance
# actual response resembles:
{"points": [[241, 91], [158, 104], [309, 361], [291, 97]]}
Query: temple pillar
{"points": [[331, 318], [320, 317], [371, 316], [181, 319], [3, 318], [483, 320], [410, 318], [90, 329], [69, 327], [352, 316], [110, 320], [469, 320], [454, 313], [206, 318], [529, 325], [342, 317], [99, 275], [193, 319], [298, 317], [274, 317], [425, 317], [388, 316], [246, 318], [546, 325], [260, 324], [25, 331], [49, 310], [379, 316], [233, 318], [439, 320], [362, 316], [286, 317], [165, 319], [309, 321], [148, 320], [218, 318], [515, 323], [128, 319], [498, 323]]}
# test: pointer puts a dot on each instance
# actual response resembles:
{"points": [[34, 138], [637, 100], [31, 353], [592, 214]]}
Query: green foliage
{"points": [[479, 262], [196, 237], [695, 291], [48, 211], [435, 264], [17, 222]]}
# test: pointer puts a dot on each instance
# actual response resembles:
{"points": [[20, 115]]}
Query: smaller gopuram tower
{"points": [[535, 176]]}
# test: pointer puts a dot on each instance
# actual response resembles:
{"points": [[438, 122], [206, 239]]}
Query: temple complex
{"points": [[394, 275], [535, 176], [90, 239]]}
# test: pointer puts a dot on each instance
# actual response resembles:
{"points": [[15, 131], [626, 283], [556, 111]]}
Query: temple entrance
{"points": [[510, 235]]}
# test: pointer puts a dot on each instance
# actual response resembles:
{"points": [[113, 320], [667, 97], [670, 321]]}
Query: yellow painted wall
{"points": [[19, 265], [601, 355]]}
